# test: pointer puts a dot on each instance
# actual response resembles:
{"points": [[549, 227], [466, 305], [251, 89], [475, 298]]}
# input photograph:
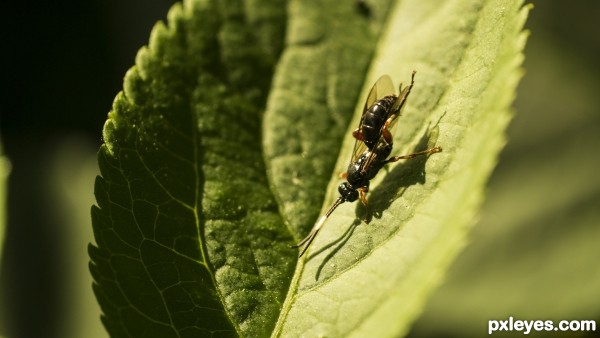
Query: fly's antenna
{"points": [[313, 233]]}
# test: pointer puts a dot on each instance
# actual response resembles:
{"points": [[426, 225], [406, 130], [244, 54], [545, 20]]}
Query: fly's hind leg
{"points": [[418, 153]]}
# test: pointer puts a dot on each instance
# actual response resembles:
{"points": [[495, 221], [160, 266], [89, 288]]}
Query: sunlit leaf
{"points": [[373, 279], [536, 244]]}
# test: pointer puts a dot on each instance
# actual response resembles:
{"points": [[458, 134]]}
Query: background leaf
{"points": [[73, 165], [358, 277], [4, 172]]}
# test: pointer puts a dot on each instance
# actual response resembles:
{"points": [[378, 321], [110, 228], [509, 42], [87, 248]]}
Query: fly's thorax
{"points": [[356, 178], [382, 152]]}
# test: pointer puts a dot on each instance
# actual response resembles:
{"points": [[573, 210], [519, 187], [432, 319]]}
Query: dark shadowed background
{"points": [[63, 63]]}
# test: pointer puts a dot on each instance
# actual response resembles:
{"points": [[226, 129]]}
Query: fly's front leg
{"points": [[418, 153], [362, 193]]}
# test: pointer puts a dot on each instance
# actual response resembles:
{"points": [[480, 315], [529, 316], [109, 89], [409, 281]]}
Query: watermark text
{"points": [[526, 326]]}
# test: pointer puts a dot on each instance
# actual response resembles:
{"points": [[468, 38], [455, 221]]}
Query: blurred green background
{"points": [[533, 255]]}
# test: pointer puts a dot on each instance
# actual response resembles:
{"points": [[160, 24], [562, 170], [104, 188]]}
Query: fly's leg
{"points": [[418, 153], [385, 131], [362, 193], [357, 133]]}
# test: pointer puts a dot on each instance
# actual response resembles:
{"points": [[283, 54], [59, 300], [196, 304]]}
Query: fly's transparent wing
{"points": [[382, 88], [400, 103]]}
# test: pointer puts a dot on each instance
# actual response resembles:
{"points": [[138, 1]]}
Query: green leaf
{"points": [[539, 224], [373, 279], [193, 223], [189, 240], [315, 88], [4, 172], [71, 165]]}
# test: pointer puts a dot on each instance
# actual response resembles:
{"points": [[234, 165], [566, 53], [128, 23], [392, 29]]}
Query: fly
{"points": [[372, 148]]}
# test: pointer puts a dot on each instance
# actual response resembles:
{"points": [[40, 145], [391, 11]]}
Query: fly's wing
{"points": [[372, 156], [401, 101], [382, 87], [359, 148]]}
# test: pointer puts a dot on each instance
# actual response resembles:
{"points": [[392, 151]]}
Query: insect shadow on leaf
{"points": [[402, 176], [339, 243]]}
